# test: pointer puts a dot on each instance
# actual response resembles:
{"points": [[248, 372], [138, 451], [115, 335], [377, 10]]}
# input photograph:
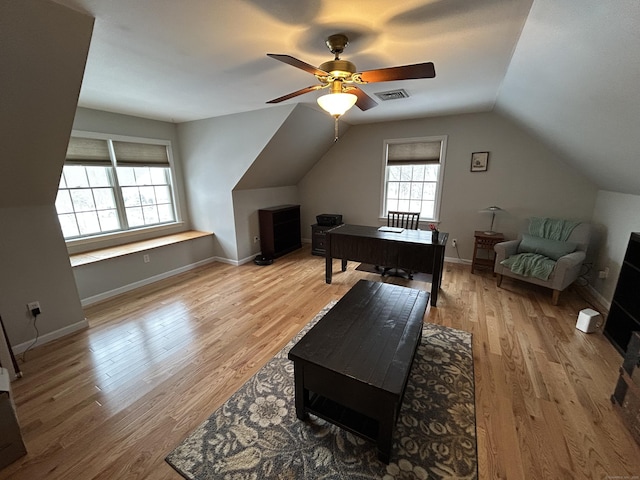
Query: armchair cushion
{"points": [[530, 265], [553, 249]]}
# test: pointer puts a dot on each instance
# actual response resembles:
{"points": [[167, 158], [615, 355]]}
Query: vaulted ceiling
{"points": [[567, 71]]}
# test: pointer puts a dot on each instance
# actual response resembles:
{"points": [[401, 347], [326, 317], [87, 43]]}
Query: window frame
{"points": [[148, 230], [439, 183]]}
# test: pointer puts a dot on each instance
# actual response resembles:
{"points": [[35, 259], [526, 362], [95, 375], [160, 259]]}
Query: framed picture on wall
{"points": [[479, 161]]}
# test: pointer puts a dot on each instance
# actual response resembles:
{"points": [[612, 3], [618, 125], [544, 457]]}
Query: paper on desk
{"points": [[391, 229]]}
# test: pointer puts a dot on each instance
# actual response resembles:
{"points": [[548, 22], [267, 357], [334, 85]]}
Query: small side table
{"points": [[485, 241]]}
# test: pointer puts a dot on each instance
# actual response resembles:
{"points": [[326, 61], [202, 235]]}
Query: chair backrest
{"points": [[408, 220], [580, 235]]}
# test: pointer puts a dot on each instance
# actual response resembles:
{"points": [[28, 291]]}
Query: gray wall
{"points": [[524, 177], [35, 266], [615, 216], [246, 204], [216, 153], [40, 80], [100, 280]]}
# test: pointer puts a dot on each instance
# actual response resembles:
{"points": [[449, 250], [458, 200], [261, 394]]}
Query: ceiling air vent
{"points": [[392, 95]]}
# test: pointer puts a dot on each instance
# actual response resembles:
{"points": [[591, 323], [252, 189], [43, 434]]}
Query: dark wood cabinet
{"points": [[319, 237], [626, 396], [624, 314], [279, 230]]}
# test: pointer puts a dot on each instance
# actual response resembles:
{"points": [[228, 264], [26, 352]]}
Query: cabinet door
{"points": [[624, 315], [628, 290], [620, 326]]}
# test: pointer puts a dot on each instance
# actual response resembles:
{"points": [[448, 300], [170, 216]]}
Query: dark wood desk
{"points": [[409, 250], [352, 367]]}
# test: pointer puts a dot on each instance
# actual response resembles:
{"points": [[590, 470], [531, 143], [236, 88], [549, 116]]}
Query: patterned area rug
{"points": [[256, 434]]}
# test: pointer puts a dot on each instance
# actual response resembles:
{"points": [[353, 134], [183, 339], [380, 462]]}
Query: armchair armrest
{"points": [[567, 269], [570, 260], [505, 249]]}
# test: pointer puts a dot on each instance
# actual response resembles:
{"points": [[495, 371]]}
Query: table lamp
{"points": [[492, 210]]}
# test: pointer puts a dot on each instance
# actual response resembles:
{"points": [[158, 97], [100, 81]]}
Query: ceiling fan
{"points": [[342, 78]]}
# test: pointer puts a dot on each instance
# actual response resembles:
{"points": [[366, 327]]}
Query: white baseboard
{"points": [[132, 286], [237, 263], [457, 260], [599, 297], [48, 337], [228, 261]]}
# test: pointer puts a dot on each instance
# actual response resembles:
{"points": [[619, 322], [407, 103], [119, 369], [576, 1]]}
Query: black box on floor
{"points": [[11, 444]]}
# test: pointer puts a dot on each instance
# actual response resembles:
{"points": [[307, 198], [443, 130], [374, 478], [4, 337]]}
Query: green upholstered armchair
{"points": [[567, 265]]}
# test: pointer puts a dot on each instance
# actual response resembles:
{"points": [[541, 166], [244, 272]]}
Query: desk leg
{"points": [[434, 290], [328, 267], [436, 280], [344, 265]]}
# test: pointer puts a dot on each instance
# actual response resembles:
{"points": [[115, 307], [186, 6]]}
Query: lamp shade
{"points": [[337, 103], [492, 210]]}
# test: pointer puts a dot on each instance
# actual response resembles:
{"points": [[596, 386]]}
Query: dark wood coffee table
{"points": [[352, 367]]}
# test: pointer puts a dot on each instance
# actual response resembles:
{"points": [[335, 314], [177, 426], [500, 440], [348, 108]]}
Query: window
{"points": [[110, 186], [413, 172]]}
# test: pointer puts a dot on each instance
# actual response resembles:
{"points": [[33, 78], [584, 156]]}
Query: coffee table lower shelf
{"points": [[343, 417]]}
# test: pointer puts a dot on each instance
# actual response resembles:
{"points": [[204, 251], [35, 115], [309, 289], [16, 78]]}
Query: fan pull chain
{"points": [[336, 128]]}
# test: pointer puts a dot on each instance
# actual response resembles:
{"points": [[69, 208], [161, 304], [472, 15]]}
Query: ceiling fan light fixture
{"points": [[337, 103]]}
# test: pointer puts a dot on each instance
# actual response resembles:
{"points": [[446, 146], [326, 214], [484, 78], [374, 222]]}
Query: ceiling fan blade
{"points": [[289, 60], [302, 91], [406, 72], [364, 102]]}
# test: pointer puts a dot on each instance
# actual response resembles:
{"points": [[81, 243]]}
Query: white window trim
{"points": [[146, 231], [443, 154]]}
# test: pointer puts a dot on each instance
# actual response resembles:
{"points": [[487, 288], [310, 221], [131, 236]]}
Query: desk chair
{"points": [[406, 220]]}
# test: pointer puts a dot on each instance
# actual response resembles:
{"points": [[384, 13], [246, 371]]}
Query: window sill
{"points": [[101, 254]]}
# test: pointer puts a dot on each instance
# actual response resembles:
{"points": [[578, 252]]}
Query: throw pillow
{"points": [[553, 249]]}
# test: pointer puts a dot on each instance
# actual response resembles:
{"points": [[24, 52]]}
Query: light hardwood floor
{"points": [[111, 401]]}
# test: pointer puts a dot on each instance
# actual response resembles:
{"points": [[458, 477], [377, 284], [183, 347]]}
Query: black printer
{"points": [[329, 219]]}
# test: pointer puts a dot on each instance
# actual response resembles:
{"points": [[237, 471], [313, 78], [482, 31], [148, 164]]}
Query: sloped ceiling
{"points": [[575, 81], [568, 71], [39, 86], [302, 139]]}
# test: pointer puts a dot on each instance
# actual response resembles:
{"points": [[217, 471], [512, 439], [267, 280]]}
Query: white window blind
{"points": [[413, 173], [140, 154], [110, 186]]}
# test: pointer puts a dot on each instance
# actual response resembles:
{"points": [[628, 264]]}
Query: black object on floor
{"points": [[420, 277], [262, 260]]}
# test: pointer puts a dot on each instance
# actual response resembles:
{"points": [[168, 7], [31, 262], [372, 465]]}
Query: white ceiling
{"points": [[569, 71]]}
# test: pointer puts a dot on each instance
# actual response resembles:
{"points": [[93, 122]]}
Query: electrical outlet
{"points": [[34, 307], [146, 258], [454, 243], [255, 239], [604, 273]]}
